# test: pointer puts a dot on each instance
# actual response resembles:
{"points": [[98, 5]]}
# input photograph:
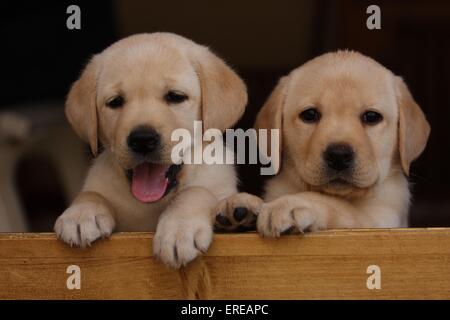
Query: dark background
{"points": [[262, 40]]}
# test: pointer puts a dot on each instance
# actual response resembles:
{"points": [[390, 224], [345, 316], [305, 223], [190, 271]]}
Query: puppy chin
{"points": [[346, 188]]}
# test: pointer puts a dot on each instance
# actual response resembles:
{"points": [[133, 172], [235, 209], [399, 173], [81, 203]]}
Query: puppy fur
{"points": [[143, 68], [303, 195]]}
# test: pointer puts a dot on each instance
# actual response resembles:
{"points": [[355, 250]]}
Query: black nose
{"points": [[339, 156], [143, 140]]}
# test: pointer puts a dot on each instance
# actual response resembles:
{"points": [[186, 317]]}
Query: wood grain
{"points": [[415, 264]]}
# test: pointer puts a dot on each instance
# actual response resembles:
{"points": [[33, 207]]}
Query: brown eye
{"points": [[174, 97], [115, 102], [371, 117], [310, 115]]}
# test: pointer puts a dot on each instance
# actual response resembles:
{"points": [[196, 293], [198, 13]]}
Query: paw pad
{"points": [[240, 214]]}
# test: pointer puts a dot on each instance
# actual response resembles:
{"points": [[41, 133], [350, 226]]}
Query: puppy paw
{"points": [[237, 212], [83, 223], [281, 217], [179, 240]]}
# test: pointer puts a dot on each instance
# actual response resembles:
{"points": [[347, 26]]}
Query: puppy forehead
{"points": [[348, 80], [148, 64]]}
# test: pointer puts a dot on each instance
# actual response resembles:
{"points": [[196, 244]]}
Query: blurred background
{"points": [[42, 163]]}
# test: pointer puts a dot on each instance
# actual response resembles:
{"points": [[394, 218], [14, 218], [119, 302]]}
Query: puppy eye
{"points": [[310, 115], [115, 102], [371, 117], [174, 97]]}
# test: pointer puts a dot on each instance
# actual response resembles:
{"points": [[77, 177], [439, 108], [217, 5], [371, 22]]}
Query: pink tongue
{"points": [[149, 182]]}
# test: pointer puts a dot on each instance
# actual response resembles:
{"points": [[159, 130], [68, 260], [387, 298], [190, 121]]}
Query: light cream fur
{"points": [[342, 86], [143, 68]]}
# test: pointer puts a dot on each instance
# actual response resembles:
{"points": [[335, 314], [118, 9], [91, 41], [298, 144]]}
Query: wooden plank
{"points": [[415, 264]]}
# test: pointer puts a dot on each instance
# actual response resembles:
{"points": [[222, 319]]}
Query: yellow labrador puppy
{"points": [[349, 131], [130, 98]]}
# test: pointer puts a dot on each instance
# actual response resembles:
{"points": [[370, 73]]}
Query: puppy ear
{"points": [[270, 117], [413, 127], [224, 94], [81, 109]]}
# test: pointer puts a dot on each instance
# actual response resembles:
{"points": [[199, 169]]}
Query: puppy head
{"points": [[346, 122], [134, 94]]}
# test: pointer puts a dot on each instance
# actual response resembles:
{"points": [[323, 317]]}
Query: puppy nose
{"points": [[339, 156], [143, 140]]}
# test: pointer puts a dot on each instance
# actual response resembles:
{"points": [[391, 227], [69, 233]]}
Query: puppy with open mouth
{"points": [[349, 130], [130, 98]]}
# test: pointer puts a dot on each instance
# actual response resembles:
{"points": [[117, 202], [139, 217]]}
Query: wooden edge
{"points": [[341, 242], [333, 264]]}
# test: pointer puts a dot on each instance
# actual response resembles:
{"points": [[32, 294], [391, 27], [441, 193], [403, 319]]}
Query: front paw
{"points": [[179, 240], [83, 223], [281, 216], [237, 212]]}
